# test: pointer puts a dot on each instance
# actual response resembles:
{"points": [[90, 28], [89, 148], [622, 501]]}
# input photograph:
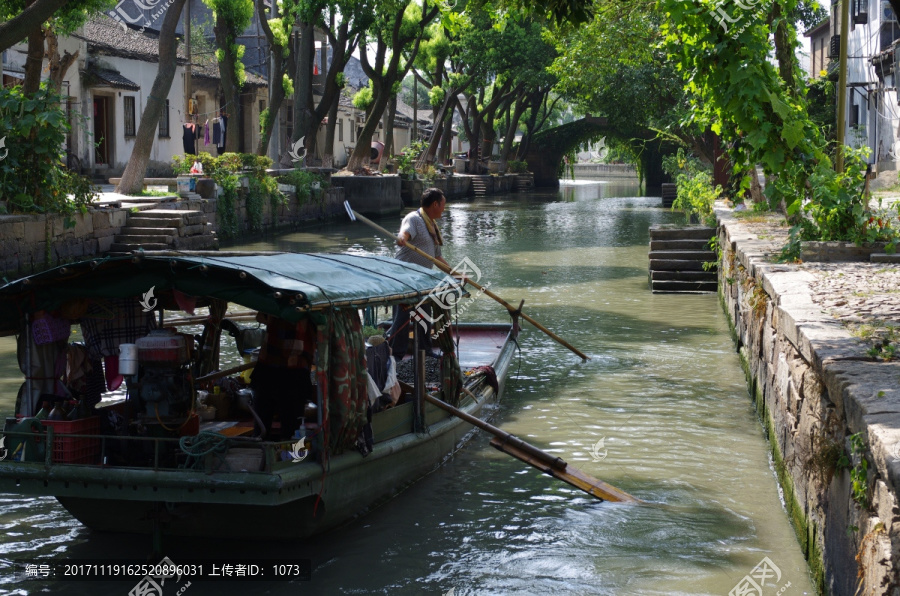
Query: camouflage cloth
{"points": [[451, 376], [341, 375]]}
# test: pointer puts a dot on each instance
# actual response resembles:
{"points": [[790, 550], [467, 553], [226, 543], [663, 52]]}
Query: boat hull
{"points": [[299, 501]]}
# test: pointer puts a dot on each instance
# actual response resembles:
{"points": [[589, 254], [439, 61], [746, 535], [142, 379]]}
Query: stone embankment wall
{"points": [[801, 333], [24, 246], [325, 204], [24, 239]]}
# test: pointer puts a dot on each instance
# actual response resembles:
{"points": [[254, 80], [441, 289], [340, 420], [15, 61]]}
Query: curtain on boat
{"points": [[451, 377], [341, 375]]}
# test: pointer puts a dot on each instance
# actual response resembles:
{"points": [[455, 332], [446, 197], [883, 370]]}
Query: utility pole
{"points": [[415, 132], [187, 68], [842, 86]]}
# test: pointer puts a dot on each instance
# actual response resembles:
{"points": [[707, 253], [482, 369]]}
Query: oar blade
{"points": [[570, 475], [350, 211]]}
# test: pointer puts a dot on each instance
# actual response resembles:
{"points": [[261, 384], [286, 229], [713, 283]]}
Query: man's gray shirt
{"points": [[415, 226]]}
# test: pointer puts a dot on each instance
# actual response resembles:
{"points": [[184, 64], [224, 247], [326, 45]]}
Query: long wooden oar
{"points": [[543, 461], [356, 216]]}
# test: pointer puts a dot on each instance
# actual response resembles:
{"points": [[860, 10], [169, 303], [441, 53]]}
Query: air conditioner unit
{"points": [[887, 12]]}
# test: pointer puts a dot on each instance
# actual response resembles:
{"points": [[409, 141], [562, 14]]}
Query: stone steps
{"points": [[523, 182], [669, 192], [133, 231], [682, 255], [164, 229], [688, 244], [139, 221], [684, 276], [479, 188], [684, 287], [677, 257]]}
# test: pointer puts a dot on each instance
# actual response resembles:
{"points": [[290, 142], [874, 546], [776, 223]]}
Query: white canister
{"points": [[128, 359]]}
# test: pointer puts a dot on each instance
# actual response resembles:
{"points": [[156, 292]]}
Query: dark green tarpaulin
{"points": [[274, 283]]}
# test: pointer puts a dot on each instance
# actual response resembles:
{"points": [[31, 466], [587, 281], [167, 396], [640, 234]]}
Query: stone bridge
{"points": [[549, 146]]}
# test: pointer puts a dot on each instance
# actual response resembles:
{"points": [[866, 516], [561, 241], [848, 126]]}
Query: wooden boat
{"points": [[148, 464]]}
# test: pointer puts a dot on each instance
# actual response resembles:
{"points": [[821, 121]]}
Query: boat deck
{"points": [[478, 344]]}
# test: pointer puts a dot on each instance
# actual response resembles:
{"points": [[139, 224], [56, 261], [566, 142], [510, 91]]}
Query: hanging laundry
{"points": [[206, 133], [189, 138], [217, 132], [224, 123]]}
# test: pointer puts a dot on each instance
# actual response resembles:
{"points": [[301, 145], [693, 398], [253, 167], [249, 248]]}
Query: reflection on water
{"points": [[661, 410]]}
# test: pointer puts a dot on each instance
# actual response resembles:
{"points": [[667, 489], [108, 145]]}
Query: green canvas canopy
{"points": [[281, 284]]}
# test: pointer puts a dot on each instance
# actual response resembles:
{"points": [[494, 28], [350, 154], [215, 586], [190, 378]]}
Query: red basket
{"points": [[75, 450]]}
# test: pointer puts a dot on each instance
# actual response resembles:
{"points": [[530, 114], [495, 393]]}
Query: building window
{"points": [[340, 130], [352, 131], [129, 116], [164, 122]]}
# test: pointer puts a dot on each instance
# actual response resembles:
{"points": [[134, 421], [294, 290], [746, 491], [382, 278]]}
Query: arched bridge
{"points": [[548, 147]]}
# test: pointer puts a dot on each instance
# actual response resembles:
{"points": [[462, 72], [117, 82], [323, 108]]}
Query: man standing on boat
{"points": [[419, 228]]}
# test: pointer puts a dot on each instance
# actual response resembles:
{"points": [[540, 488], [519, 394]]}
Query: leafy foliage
{"points": [[33, 175], [759, 109], [859, 474], [696, 192], [307, 184], [226, 170]]}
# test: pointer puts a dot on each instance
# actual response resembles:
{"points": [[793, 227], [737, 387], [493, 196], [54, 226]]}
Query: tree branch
{"points": [[18, 28]]}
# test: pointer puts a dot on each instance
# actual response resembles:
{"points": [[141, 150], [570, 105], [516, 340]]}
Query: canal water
{"points": [[660, 410]]}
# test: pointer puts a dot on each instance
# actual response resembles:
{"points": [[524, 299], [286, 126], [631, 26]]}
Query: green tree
{"points": [[232, 17], [278, 34], [25, 19], [395, 35], [616, 67], [133, 177]]}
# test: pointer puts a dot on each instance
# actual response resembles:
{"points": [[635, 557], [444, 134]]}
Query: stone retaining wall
{"points": [[23, 239], [327, 204], [814, 386]]}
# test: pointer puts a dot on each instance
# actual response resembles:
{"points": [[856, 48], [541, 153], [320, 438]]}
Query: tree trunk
{"points": [[446, 140], [34, 62], [229, 84], [437, 131], [133, 176], [331, 95], [276, 87], [30, 19], [389, 130], [303, 87], [361, 152], [784, 51], [511, 131], [329, 130], [59, 65]]}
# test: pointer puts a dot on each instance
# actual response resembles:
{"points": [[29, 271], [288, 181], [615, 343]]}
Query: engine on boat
{"points": [[162, 386]]}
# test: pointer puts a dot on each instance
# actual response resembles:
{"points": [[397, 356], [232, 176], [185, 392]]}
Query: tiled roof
{"points": [[106, 37], [406, 110], [98, 77]]}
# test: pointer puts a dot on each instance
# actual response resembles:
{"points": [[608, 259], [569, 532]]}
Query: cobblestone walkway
{"points": [[857, 293]]}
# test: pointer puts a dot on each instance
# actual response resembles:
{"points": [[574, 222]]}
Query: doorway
{"points": [[102, 142]]}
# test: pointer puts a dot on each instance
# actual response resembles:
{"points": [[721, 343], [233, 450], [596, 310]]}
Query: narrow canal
{"points": [[661, 410]]}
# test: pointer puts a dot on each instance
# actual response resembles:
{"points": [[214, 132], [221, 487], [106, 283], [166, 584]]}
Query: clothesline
{"points": [[216, 112]]}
